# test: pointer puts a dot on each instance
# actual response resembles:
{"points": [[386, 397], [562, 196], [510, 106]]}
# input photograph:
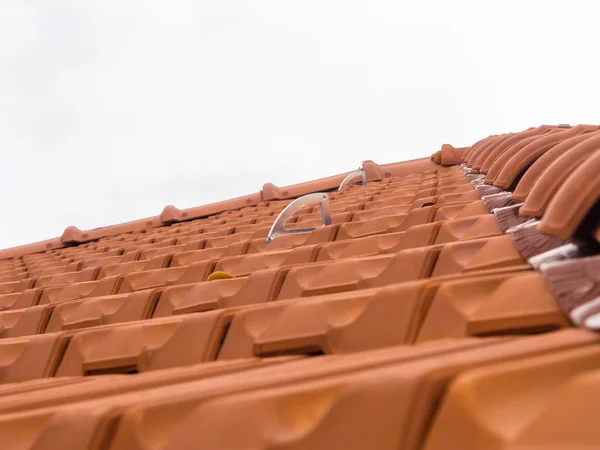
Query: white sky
{"points": [[111, 110]]}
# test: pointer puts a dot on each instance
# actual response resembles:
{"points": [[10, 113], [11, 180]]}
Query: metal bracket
{"points": [[278, 226], [352, 176]]}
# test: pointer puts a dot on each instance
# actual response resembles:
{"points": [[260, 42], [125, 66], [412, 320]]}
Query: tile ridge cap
{"points": [[171, 214]]}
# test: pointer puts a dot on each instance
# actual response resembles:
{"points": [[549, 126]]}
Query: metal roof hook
{"points": [[358, 174], [278, 226]]}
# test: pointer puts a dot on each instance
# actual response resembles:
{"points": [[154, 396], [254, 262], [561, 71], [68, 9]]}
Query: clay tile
{"points": [[482, 153], [555, 175], [372, 170], [522, 143], [535, 171], [493, 156], [573, 201], [450, 155], [523, 158], [503, 158], [72, 235], [17, 252], [172, 214], [415, 167], [270, 192], [323, 323], [480, 145], [477, 145]]}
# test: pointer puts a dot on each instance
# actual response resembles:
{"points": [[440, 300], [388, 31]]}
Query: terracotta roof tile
{"points": [[554, 175], [377, 329], [523, 158], [533, 173], [508, 142], [557, 387], [573, 201], [491, 152]]}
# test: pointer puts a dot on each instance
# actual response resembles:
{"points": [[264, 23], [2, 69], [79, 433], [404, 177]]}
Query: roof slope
{"points": [[447, 302]]}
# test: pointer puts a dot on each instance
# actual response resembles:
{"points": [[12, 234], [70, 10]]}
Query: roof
{"points": [[444, 302]]}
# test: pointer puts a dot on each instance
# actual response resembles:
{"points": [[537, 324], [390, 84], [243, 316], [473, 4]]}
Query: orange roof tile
{"points": [[434, 305]]}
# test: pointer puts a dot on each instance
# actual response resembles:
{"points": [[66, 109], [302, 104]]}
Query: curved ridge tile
{"points": [[529, 153], [519, 145], [404, 168], [372, 170], [573, 201], [475, 146], [555, 175], [38, 247], [482, 146], [478, 163], [510, 139], [172, 214], [272, 192], [536, 170], [451, 155], [503, 158], [73, 235], [487, 148], [493, 156]]}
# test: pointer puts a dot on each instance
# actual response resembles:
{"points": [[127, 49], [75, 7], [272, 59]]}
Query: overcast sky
{"points": [[111, 110]]}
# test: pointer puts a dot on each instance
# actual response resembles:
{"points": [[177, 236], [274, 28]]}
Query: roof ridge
{"points": [[171, 214]]}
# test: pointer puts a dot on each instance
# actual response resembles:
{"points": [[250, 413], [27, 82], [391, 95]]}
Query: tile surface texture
{"points": [[450, 302]]}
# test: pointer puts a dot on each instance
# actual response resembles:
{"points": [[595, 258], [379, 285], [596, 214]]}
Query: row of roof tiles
{"points": [[461, 382], [365, 215], [170, 214], [550, 173], [465, 393]]}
